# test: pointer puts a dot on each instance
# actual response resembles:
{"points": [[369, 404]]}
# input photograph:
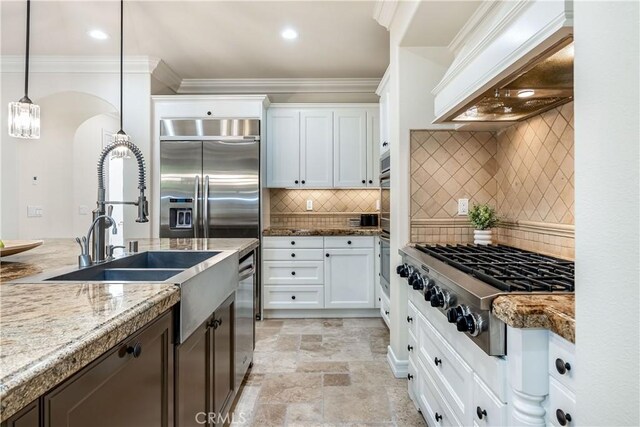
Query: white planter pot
{"points": [[482, 237]]}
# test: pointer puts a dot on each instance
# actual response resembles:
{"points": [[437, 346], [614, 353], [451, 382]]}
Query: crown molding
{"points": [[165, 74], [384, 80], [78, 64], [384, 11], [279, 85], [472, 25]]}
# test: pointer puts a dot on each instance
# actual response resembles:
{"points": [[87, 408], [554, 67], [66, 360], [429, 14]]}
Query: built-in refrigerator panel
{"points": [[231, 186], [181, 187]]}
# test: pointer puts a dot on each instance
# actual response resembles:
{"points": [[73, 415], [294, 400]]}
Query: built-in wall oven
{"points": [[385, 222]]}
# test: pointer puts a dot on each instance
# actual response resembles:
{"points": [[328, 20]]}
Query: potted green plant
{"points": [[483, 217]]}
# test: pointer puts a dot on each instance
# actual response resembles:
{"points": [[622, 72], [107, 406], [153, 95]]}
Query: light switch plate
{"points": [[378, 204], [309, 205], [34, 211], [463, 206]]}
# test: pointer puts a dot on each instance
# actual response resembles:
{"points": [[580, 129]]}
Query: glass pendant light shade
{"points": [[24, 115], [24, 119]]}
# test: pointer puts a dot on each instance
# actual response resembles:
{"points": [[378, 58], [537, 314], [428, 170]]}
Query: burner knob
{"points": [[437, 300], [412, 278], [453, 314], [429, 293], [418, 283], [403, 270], [429, 282], [470, 323]]}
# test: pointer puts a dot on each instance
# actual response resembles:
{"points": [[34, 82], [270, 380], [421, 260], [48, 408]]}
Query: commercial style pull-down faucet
{"points": [[100, 216]]}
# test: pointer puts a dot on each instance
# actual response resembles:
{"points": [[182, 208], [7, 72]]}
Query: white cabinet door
{"points": [[384, 120], [316, 149], [373, 149], [348, 278], [283, 148], [350, 148]]}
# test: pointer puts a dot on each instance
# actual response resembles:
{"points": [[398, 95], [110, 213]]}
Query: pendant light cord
{"points": [[121, 55], [26, 62]]}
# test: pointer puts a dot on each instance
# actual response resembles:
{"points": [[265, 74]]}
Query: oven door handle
{"points": [[385, 238], [385, 175]]}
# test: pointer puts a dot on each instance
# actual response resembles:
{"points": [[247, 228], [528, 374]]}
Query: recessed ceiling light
{"points": [[98, 35], [289, 34], [525, 93]]}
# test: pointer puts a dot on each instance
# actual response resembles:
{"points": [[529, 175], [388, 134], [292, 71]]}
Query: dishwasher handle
{"points": [[246, 272]]}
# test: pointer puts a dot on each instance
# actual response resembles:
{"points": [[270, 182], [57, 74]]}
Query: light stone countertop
{"points": [[553, 312], [48, 332], [326, 231]]}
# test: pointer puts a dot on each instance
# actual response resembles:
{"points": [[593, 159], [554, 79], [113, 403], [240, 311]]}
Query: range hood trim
{"points": [[491, 54]]}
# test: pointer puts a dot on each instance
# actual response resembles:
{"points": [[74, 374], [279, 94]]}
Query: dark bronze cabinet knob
{"points": [[438, 417], [409, 347], [293, 297], [409, 319], [562, 367], [135, 350], [296, 181], [364, 181], [293, 273], [293, 255], [481, 413], [437, 361], [409, 377], [562, 417]]}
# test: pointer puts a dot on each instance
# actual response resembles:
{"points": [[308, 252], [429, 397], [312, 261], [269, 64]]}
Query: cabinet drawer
{"points": [[345, 242], [293, 273], [451, 373], [384, 309], [292, 242], [562, 405], [487, 405], [292, 254], [293, 297], [412, 319], [412, 379], [562, 363], [432, 403]]}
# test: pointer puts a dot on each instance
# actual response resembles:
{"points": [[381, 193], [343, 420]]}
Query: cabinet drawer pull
{"points": [[135, 350], [409, 347], [409, 319], [563, 419], [293, 242], [214, 323], [562, 367], [437, 361], [438, 417], [293, 297], [481, 413], [386, 312], [293, 273], [293, 255], [409, 377], [348, 242], [327, 255]]}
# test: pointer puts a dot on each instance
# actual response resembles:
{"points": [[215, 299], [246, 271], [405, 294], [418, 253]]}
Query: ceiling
{"points": [[211, 39]]}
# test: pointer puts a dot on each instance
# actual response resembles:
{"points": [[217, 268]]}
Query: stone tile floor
{"points": [[323, 372]]}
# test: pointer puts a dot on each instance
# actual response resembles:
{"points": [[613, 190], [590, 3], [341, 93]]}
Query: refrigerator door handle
{"points": [[196, 208], [205, 208]]}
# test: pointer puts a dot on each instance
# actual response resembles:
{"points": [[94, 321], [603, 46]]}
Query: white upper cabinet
{"points": [[350, 148], [323, 147], [283, 148], [385, 115], [316, 149]]}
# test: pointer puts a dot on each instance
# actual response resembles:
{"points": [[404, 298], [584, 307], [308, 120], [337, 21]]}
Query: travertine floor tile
{"points": [[325, 373]]}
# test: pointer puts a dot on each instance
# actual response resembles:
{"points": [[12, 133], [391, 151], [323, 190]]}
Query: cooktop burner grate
{"points": [[508, 269]]}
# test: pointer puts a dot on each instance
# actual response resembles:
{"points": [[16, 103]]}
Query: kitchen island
{"points": [[50, 331]]}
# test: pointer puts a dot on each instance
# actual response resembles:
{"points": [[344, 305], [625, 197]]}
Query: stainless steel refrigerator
{"points": [[210, 188], [209, 178]]}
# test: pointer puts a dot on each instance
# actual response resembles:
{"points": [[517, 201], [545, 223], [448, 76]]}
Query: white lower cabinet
{"points": [[562, 376], [385, 311], [317, 272], [489, 410]]}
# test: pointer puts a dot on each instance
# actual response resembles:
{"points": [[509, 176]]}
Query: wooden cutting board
{"points": [[12, 247]]}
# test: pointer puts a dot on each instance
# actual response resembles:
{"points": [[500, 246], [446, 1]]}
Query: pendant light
{"points": [[121, 136], [24, 115]]}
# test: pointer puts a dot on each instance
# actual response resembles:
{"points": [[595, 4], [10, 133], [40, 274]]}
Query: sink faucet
{"points": [[99, 214], [84, 260]]}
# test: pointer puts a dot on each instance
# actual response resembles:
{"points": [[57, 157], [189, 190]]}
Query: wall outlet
{"points": [[309, 205], [463, 206], [34, 180], [378, 206], [34, 211]]}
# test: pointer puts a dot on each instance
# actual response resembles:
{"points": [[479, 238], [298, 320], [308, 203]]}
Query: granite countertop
{"points": [[553, 312], [345, 231], [50, 331]]}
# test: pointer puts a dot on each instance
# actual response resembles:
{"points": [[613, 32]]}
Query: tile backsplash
{"points": [[331, 207], [526, 171]]}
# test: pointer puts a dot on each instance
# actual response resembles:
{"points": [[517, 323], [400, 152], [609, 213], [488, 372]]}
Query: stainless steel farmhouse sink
{"points": [[205, 278]]}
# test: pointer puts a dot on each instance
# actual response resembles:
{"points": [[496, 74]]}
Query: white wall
{"points": [[19, 156], [414, 73], [607, 133]]}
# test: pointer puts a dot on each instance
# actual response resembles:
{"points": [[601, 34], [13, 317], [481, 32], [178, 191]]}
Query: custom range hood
{"points": [[544, 84], [513, 60]]}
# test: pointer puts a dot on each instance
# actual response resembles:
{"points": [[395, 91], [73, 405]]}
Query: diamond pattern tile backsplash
{"points": [[447, 166], [535, 168], [324, 201], [526, 171]]}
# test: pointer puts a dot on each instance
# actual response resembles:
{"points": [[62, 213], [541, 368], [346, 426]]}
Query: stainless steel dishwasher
{"points": [[245, 317]]}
